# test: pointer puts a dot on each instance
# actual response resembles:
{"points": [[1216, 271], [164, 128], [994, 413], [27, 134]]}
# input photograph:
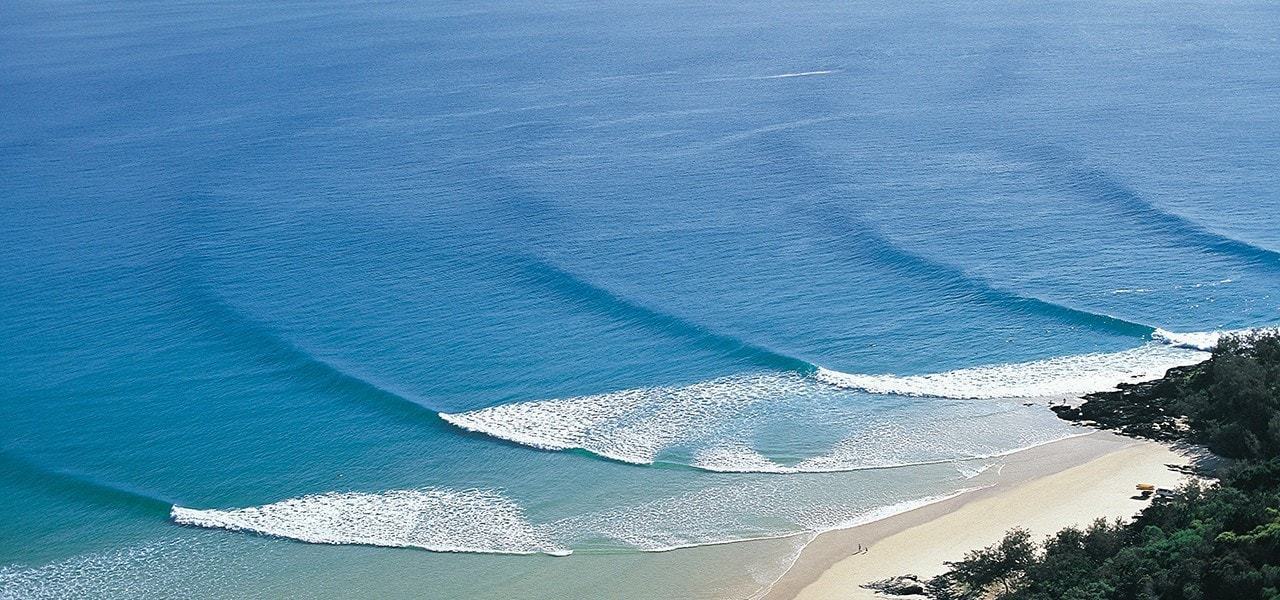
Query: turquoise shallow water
{"points": [[407, 278]]}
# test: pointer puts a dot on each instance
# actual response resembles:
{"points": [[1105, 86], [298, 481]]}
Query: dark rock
{"points": [[1148, 409], [905, 585]]}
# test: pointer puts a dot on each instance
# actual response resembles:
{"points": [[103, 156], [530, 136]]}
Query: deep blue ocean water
{"points": [[500, 281]]}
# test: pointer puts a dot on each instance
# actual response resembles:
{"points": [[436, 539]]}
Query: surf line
{"points": [[637, 425], [80, 486]]}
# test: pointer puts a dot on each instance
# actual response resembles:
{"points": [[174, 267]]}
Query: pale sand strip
{"points": [[1070, 482]]}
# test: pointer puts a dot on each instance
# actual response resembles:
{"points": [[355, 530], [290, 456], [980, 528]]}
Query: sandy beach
{"points": [[1043, 489]]}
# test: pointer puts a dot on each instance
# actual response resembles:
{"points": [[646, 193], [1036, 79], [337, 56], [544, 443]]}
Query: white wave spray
{"points": [[1051, 377], [1200, 340], [713, 422], [630, 425], [440, 520]]}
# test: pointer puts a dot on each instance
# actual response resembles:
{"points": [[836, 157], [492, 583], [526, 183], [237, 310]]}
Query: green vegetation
{"points": [[1210, 542], [1229, 403]]}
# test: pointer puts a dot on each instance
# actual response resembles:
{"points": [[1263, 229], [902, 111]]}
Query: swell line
{"points": [[271, 348], [870, 242], [80, 487], [587, 294], [1065, 168], [1102, 185]]}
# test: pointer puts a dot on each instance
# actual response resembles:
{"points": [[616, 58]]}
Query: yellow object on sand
{"points": [[1146, 487]]}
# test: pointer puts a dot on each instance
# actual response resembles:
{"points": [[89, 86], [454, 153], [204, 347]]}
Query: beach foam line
{"points": [[439, 520], [166, 568], [971, 472], [713, 419], [850, 455], [857, 520], [698, 517]]}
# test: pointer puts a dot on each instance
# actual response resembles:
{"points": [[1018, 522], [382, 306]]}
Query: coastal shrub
{"points": [[1001, 565], [1207, 542]]}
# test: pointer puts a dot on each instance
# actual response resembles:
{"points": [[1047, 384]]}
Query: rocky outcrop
{"points": [[905, 585]]}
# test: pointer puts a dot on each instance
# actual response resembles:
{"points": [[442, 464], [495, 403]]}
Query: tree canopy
{"points": [[1207, 541]]}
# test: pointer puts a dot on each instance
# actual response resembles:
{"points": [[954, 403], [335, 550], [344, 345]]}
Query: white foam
{"points": [[1204, 340], [743, 511], [767, 578], [736, 457], [884, 512], [1198, 340], [1052, 377], [969, 471], [802, 541], [799, 74], [440, 520], [713, 419], [888, 445], [942, 440], [631, 425], [923, 433], [167, 568]]}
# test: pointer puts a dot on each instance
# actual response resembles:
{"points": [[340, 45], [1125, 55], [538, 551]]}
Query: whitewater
{"points": [[635, 426], [714, 418]]}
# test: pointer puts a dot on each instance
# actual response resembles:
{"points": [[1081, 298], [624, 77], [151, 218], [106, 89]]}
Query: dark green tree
{"points": [[1208, 542]]}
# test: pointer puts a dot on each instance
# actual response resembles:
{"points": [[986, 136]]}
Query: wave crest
{"points": [[439, 520], [629, 425], [1204, 341], [1051, 377], [710, 425]]}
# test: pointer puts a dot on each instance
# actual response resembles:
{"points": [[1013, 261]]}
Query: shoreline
{"points": [[1043, 488]]}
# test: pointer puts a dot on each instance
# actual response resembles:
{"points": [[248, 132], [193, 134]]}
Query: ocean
{"points": [[559, 299]]}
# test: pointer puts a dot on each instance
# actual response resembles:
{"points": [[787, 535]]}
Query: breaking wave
{"points": [[711, 425], [1052, 377], [190, 567], [631, 425], [1202, 340], [439, 520]]}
